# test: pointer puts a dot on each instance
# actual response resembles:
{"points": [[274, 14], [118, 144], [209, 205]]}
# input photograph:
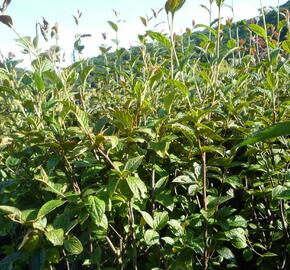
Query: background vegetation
{"points": [[137, 159]]}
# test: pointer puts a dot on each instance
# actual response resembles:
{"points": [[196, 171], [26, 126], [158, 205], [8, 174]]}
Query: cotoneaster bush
{"points": [[138, 162]]}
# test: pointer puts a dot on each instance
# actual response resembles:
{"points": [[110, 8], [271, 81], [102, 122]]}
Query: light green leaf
{"points": [[137, 187], [173, 6], [49, 207], [258, 30], [147, 217], [286, 46], [277, 191], [231, 43], [179, 85], [226, 253], [280, 129], [84, 74], [187, 131], [39, 83], [10, 210], [213, 149], [168, 240], [183, 179], [162, 39], [160, 220], [176, 227], [96, 208], [237, 221], [270, 254], [73, 245], [237, 238], [133, 163], [56, 237], [151, 237], [161, 148]]}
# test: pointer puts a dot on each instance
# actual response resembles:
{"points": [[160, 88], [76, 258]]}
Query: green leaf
{"points": [[8, 260], [12, 161], [280, 129], [73, 245], [56, 237], [234, 181], [168, 240], [277, 191], [133, 163], [183, 179], [208, 28], [213, 149], [270, 254], [237, 221], [274, 55], [231, 43], [176, 227], [84, 74], [226, 253], [173, 6], [147, 217], [151, 237], [137, 187], [49, 207], [168, 101], [285, 195], [258, 30], [10, 210], [179, 85], [160, 220], [161, 148], [144, 21], [39, 83], [53, 255], [82, 117], [96, 208], [39, 259], [286, 46], [113, 26], [237, 238], [248, 254], [162, 39], [166, 200]]}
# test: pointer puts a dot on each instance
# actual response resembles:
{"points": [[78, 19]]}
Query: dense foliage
{"points": [[138, 164]]}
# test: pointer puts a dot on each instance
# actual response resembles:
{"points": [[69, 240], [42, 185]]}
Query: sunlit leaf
{"points": [[162, 39], [257, 29], [96, 208], [73, 245], [151, 237], [49, 207], [280, 129], [56, 237]]}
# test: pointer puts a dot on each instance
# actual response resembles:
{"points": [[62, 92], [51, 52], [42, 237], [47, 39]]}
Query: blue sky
{"points": [[96, 13]]}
